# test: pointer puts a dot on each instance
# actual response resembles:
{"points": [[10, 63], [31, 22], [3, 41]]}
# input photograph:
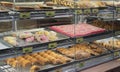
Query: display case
{"points": [[58, 35]]}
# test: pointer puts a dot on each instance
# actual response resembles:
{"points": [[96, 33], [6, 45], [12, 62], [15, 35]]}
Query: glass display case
{"points": [[58, 35]]}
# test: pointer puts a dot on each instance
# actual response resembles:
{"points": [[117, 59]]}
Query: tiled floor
{"points": [[104, 67]]}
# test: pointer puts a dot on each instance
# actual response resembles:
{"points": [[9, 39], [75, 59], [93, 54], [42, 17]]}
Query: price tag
{"points": [[117, 33], [25, 15], [87, 11], [79, 40], [78, 11], [81, 64], [118, 10], [27, 50], [50, 13], [95, 11], [52, 45], [116, 54]]}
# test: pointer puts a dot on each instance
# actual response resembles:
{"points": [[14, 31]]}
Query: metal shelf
{"points": [[98, 36], [5, 16]]}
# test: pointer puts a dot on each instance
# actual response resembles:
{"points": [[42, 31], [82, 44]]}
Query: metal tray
{"points": [[112, 47], [5, 67], [22, 43], [4, 45], [106, 51]]}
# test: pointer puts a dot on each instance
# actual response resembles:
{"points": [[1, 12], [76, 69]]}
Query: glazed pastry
{"points": [[15, 64], [35, 54], [11, 40], [52, 37], [9, 60], [46, 33], [111, 44], [34, 68], [42, 38], [26, 63], [42, 58], [41, 32], [81, 51], [45, 36], [24, 35], [50, 3], [30, 39], [27, 56], [80, 3], [19, 58], [42, 61], [53, 33], [32, 60]]}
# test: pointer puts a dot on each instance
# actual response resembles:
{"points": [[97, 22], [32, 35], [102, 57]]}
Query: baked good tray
{"points": [[22, 42]]}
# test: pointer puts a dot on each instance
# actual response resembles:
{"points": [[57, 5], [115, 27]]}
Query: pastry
{"points": [[30, 39], [26, 63], [11, 40], [40, 58], [39, 33], [106, 25], [45, 36], [52, 37], [80, 3], [80, 51], [111, 44], [35, 54], [9, 60], [53, 33], [24, 35], [6, 4], [15, 64], [24, 8], [42, 39], [49, 3], [34, 68]]}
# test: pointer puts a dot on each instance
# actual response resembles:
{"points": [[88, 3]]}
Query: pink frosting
{"points": [[44, 38], [30, 39]]}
